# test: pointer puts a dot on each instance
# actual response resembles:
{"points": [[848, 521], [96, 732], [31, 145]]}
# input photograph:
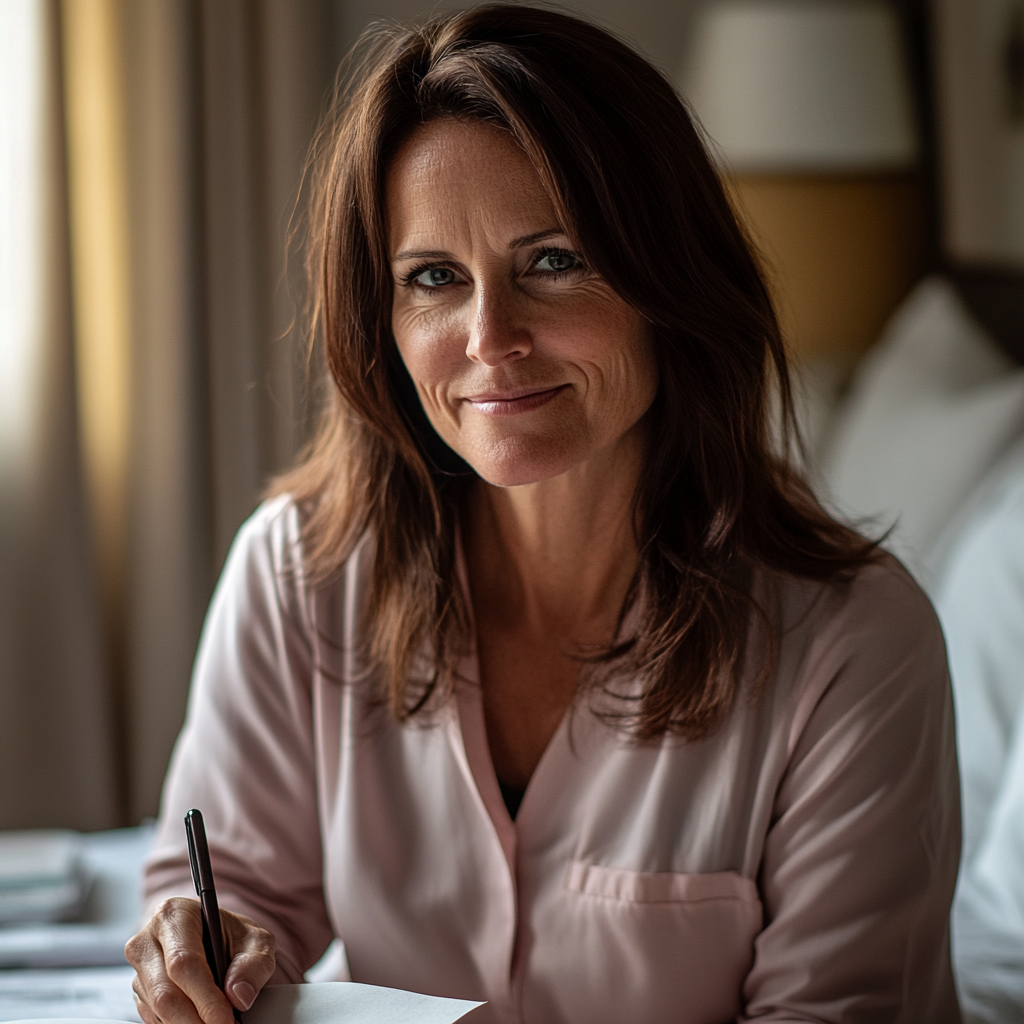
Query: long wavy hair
{"points": [[717, 503]]}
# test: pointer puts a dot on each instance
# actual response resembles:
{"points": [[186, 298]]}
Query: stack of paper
{"points": [[41, 876], [105, 921], [96, 993]]}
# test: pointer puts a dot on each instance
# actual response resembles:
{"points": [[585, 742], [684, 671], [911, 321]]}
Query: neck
{"points": [[557, 556]]}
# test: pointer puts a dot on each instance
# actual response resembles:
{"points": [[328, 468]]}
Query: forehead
{"points": [[462, 180]]}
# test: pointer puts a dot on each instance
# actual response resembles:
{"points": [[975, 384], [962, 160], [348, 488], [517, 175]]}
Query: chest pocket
{"points": [[651, 946]]}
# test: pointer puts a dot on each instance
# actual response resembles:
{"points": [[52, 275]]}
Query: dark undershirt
{"points": [[513, 797]]}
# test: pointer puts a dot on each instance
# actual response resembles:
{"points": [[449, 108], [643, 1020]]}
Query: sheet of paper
{"points": [[69, 1020], [94, 993], [344, 1001]]}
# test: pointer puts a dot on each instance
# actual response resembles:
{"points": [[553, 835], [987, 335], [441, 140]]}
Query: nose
{"points": [[498, 331]]}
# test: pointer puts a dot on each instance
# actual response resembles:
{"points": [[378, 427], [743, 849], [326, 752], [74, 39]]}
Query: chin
{"points": [[515, 462]]}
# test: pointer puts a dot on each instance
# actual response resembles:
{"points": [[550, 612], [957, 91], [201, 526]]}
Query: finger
{"points": [[147, 1015], [180, 988], [161, 1002], [253, 958]]}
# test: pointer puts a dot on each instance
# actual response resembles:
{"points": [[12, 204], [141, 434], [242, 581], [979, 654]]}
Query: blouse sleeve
{"points": [[245, 756], [860, 860]]}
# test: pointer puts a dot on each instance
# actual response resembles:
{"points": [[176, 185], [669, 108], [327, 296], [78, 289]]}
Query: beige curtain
{"points": [[164, 384], [57, 742]]}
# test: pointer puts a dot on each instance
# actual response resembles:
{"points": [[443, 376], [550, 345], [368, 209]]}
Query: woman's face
{"points": [[525, 360]]}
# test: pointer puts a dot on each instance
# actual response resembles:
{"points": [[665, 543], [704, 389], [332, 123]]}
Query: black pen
{"points": [[202, 878]]}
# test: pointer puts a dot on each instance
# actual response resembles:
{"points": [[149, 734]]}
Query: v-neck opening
{"points": [[473, 727]]}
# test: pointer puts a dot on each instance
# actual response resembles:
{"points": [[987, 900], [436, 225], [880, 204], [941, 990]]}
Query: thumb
{"points": [[252, 962]]}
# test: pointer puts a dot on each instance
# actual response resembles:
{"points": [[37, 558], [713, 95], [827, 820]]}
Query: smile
{"points": [[510, 402]]}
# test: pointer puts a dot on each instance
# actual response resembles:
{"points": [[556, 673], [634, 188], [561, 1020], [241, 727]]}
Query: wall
{"points": [[656, 27], [980, 57]]}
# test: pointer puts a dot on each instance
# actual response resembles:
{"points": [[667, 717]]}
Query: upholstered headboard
{"points": [[996, 298]]}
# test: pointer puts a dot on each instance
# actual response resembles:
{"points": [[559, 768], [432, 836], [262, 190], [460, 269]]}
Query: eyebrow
{"points": [[440, 254], [537, 236], [421, 254]]}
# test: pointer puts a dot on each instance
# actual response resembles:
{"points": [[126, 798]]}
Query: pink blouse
{"points": [[797, 865]]}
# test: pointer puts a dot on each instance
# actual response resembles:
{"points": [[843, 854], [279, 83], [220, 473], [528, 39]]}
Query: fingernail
{"points": [[244, 993]]}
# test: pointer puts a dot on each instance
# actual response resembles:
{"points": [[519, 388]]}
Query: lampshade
{"points": [[802, 86]]}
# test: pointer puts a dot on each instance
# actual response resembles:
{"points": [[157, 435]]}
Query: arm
{"points": [[860, 862], [246, 759]]}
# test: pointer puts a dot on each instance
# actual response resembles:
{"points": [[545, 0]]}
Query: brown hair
{"points": [[632, 182]]}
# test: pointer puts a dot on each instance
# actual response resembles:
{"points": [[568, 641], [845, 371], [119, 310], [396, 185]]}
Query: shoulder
{"points": [[860, 649], [883, 603], [264, 576], [270, 623], [271, 535], [267, 580], [881, 608]]}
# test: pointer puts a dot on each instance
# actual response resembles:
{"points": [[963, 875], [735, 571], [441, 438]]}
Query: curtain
{"points": [[158, 379], [57, 752]]}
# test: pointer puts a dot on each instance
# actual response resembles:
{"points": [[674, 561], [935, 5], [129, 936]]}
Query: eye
{"points": [[558, 261], [434, 277]]}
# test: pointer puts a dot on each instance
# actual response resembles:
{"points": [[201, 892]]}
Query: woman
{"points": [[543, 679]]}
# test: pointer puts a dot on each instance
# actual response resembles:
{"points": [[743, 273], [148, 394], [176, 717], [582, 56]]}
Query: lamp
{"points": [[808, 109], [803, 86]]}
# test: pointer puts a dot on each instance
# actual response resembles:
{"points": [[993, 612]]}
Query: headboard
{"points": [[996, 298]]}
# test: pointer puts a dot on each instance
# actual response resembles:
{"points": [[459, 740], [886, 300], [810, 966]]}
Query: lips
{"points": [[513, 400]]}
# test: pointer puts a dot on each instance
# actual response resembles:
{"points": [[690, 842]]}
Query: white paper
{"points": [[345, 1001], [93, 993], [68, 1020]]}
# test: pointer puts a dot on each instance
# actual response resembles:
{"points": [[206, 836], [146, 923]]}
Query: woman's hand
{"points": [[173, 983]]}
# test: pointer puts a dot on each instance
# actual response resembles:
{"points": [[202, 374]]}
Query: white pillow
{"points": [[931, 409], [980, 600]]}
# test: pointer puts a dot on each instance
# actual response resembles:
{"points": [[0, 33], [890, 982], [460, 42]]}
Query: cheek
{"points": [[630, 370], [432, 349], [618, 357]]}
